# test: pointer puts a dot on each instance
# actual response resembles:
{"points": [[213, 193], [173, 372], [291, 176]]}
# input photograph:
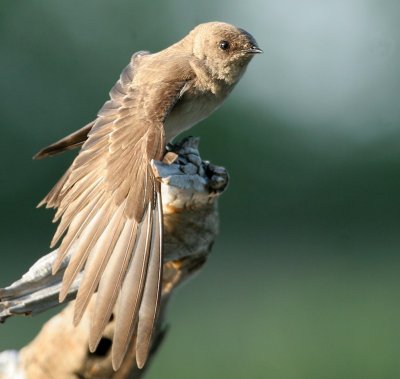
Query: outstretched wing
{"points": [[109, 207]]}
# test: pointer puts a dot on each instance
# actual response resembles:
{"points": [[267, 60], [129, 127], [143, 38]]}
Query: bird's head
{"points": [[225, 49]]}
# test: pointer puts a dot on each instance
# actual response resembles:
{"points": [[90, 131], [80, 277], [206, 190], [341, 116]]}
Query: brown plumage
{"points": [[109, 203]]}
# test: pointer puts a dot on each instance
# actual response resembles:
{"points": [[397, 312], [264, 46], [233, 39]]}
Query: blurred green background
{"points": [[303, 281]]}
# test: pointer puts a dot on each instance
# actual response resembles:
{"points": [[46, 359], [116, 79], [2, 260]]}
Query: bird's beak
{"points": [[254, 50]]}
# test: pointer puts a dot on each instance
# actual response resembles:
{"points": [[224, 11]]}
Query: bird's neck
{"points": [[207, 82]]}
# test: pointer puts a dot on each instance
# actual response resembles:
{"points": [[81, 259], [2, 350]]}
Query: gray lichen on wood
{"points": [[190, 188]]}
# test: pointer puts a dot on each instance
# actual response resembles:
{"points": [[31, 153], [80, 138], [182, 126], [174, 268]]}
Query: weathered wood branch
{"points": [[190, 188]]}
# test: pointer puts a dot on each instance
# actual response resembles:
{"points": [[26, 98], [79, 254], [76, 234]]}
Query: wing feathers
{"points": [[151, 296], [110, 282], [97, 261], [85, 243], [131, 292], [67, 214], [109, 207], [52, 199], [76, 227]]}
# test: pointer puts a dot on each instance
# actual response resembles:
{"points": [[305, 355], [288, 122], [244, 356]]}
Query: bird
{"points": [[108, 203]]}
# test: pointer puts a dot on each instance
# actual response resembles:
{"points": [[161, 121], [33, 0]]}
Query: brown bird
{"points": [[108, 201]]}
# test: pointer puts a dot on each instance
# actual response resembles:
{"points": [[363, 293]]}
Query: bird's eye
{"points": [[224, 45]]}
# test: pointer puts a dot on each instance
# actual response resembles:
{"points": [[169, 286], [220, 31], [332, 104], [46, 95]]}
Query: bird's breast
{"points": [[188, 111]]}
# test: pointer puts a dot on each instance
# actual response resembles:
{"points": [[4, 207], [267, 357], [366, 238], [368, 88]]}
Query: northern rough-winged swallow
{"points": [[109, 202]]}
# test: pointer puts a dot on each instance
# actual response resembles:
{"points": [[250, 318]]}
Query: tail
{"points": [[69, 142]]}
